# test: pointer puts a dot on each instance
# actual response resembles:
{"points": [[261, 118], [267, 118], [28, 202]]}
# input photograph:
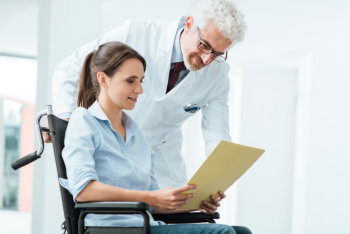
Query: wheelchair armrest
{"points": [[195, 217], [112, 206]]}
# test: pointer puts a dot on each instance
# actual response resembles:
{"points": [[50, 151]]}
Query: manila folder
{"points": [[221, 169]]}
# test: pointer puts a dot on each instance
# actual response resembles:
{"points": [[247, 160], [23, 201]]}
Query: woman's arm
{"points": [[167, 199], [96, 191]]}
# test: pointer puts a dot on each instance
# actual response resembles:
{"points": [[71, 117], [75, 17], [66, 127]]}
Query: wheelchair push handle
{"points": [[38, 130], [24, 160]]}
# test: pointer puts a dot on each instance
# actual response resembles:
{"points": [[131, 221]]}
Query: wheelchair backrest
{"points": [[58, 128]]}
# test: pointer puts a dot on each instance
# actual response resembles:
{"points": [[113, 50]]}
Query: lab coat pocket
{"points": [[194, 108]]}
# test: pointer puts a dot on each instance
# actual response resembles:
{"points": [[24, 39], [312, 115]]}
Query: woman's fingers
{"points": [[174, 205], [184, 197], [185, 188], [203, 211], [222, 195], [173, 198], [210, 205], [177, 193], [178, 204], [215, 200], [209, 208]]}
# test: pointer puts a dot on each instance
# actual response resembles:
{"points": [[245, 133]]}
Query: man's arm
{"points": [[67, 73], [215, 116]]}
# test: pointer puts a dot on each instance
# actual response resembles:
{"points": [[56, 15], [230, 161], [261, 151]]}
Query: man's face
{"points": [[194, 58]]}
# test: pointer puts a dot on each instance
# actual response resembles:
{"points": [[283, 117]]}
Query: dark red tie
{"points": [[174, 75]]}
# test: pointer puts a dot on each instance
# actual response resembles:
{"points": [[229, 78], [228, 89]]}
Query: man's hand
{"points": [[46, 137], [46, 134], [211, 207]]}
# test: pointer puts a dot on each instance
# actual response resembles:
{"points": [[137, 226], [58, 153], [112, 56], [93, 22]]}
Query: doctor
{"points": [[187, 72]]}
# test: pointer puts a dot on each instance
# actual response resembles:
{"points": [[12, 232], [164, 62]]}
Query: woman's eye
{"points": [[130, 81]]}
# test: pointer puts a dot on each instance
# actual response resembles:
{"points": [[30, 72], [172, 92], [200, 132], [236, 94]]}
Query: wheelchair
{"points": [[74, 213]]}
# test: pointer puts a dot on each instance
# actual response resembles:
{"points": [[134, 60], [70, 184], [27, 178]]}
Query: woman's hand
{"points": [[211, 207], [170, 198]]}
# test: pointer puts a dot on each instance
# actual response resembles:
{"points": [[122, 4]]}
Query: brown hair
{"points": [[107, 58]]}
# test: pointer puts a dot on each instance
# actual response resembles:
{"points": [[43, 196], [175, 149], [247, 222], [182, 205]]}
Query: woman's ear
{"points": [[102, 79]]}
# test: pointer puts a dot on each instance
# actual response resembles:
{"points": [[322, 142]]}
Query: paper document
{"points": [[221, 169]]}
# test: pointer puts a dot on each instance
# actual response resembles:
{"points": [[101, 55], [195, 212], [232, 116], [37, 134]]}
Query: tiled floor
{"points": [[14, 222]]}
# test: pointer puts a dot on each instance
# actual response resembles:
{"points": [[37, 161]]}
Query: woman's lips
{"points": [[133, 99]]}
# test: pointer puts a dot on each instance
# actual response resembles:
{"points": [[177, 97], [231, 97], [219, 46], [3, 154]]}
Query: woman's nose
{"points": [[139, 89]]}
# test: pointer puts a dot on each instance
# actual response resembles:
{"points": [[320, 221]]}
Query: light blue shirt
{"points": [[95, 151]]}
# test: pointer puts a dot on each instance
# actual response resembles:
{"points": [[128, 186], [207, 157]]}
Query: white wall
{"points": [[328, 206], [282, 35], [19, 27], [268, 117]]}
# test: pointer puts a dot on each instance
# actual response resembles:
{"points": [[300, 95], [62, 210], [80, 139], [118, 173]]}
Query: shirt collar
{"points": [[130, 125], [96, 111], [177, 54]]}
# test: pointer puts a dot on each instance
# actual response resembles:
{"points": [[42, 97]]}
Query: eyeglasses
{"points": [[214, 55]]}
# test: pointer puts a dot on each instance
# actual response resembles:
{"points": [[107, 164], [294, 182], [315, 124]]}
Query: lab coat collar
{"points": [[168, 37], [165, 48], [176, 55]]}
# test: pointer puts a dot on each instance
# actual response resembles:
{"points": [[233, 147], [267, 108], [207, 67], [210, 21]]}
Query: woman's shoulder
{"points": [[81, 116], [80, 112]]}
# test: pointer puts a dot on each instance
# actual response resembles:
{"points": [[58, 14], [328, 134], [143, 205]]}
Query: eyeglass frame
{"points": [[212, 52]]}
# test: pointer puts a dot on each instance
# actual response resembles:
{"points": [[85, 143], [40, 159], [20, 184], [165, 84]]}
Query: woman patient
{"points": [[106, 155]]}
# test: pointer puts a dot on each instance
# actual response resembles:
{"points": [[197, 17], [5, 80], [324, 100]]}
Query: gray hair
{"points": [[223, 13]]}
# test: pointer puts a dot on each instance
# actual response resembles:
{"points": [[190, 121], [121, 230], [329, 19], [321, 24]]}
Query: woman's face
{"points": [[124, 87]]}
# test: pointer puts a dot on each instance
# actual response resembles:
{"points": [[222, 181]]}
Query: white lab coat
{"points": [[158, 114]]}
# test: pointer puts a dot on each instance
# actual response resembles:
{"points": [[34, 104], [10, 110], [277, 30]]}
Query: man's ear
{"points": [[189, 23], [102, 79]]}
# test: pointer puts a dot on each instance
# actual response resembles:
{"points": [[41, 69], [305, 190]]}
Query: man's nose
{"points": [[206, 58]]}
